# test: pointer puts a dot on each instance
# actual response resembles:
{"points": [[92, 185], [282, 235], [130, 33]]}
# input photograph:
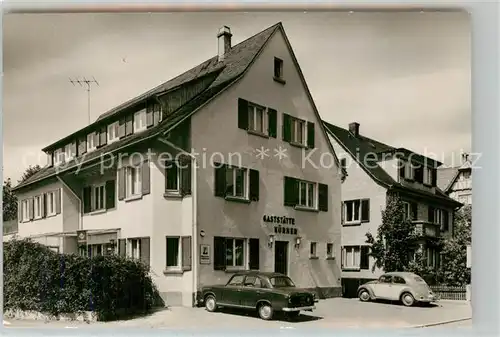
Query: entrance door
{"points": [[281, 257]]}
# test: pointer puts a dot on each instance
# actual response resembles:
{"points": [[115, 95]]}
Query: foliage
{"points": [[393, 244], [420, 267], [39, 279], [9, 202], [31, 170], [454, 271]]}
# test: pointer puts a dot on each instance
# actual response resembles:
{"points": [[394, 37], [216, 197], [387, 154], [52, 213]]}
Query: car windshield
{"points": [[281, 282]]}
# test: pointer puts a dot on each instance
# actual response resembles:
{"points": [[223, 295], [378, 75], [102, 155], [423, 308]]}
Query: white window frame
{"points": [[244, 253], [94, 200], [297, 124], [91, 146], [50, 199], [308, 186], [129, 182], [134, 253], [140, 123], [179, 253], [37, 207], [329, 251], [439, 216], [354, 262], [25, 207], [58, 157], [253, 111], [352, 204], [67, 152], [113, 132], [427, 176], [313, 249], [233, 170], [178, 182], [409, 170]]}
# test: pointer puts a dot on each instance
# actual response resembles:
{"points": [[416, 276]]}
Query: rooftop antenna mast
{"points": [[87, 84]]}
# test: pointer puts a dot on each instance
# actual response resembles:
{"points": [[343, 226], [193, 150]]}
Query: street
{"points": [[337, 312]]}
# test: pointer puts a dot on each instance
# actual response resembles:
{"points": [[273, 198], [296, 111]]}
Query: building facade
{"points": [[373, 170], [185, 177], [457, 181]]}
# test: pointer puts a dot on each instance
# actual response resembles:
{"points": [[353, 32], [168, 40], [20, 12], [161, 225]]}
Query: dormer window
{"points": [[278, 68], [91, 142], [58, 157], [428, 176], [113, 132], [140, 121]]}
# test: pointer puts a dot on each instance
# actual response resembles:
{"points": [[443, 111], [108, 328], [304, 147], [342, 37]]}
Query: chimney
{"points": [[224, 41], [354, 128], [465, 158]]}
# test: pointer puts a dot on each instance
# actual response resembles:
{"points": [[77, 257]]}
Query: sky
{"points": [[405, 77]]}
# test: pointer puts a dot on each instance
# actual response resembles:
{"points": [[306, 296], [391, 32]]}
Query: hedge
{"points": [[39, 279]]}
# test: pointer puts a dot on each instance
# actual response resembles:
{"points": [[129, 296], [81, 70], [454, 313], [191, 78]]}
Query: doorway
{"points": [[281, 257]]}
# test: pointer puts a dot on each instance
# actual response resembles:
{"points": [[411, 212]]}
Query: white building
{"points": [[373, 170], [197, 223]]}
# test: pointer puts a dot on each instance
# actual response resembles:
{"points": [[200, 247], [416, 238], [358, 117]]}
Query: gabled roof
{"points": [[447, 176], [234, 65], [367, 152]]}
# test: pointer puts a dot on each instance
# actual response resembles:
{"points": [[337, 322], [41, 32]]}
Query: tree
{"points": [[31, 170], [9, 202], [394, 243], [454, 271]]}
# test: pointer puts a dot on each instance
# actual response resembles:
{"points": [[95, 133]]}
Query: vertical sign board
{"points": [[204, 254], [469, 256]]}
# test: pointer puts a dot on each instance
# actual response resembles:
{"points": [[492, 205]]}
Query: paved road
{"points": [[338, 312]]}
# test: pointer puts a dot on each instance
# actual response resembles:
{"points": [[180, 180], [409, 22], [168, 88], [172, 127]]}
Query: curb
{"points": [[441, 323], [6, 322]]}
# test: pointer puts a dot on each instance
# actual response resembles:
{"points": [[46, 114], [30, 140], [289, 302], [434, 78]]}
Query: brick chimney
{"points": [[224, 41], [354, 128]]}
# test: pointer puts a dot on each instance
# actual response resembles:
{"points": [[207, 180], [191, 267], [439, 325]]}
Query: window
{"points": [[351, 257], [385, 279], [140, 121], [312, 249], [98, 197], [38, 207], [307, 194], [58, 157], [278, 68], [235, 252], [133, 181], [466, 174], [236, 182], [428, 176], [173, 176], [281, 282], [135, 248], [298, 131], [364, 262], [173, 252], [91, 144], [407, 210], [398, 280], [113, 132], [352, 211], [68, 155], [25, 210], [409, 173], [236, 280], [253, 281], [256, 118], [329, 250]]}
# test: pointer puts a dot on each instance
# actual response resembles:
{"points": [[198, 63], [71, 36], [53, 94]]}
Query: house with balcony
{"points": [[457, 181], [374, 170], [174, 177]]}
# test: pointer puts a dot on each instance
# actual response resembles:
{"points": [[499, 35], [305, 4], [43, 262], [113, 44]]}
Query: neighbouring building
{"points": [[130, 183], [457, 181], [373, 170]]}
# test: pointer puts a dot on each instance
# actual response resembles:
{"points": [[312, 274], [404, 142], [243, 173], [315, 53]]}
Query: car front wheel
{"points": [[265, 311], [407, 299], [363, 295], [210, 303]]}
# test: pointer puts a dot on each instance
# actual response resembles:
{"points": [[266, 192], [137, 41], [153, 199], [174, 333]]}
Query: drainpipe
{"points": [[80, 218], [194, 198]]}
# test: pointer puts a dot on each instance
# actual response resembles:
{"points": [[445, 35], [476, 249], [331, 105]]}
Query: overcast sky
{"points": [[405, 77]]}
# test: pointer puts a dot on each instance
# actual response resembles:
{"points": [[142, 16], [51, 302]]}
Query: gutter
{"points": [[80, 213], [194, 209]]}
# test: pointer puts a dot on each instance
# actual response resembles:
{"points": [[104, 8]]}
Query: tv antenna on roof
{"points": [[87, 84]]}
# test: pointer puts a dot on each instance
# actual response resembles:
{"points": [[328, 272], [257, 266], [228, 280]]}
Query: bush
{"points": [[39, 279]]}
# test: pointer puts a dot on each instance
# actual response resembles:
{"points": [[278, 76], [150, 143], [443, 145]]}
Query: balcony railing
{"points": [[425, 228]]}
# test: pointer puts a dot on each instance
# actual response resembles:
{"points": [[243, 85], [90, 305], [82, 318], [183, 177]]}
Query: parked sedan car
{"points": [[268, 293], [406, 287]]}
